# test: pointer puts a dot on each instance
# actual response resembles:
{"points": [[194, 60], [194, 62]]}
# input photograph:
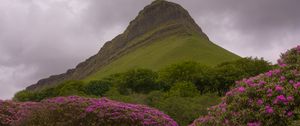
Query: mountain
{"points": [[163, 33]]}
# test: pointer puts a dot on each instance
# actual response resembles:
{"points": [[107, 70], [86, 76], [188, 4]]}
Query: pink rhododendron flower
{"points": [[297, 85], [254, 124], [290, 98], [269, 90], [260, 101], [262, 83], [289, 113], [282, 78], [241, 89], [269, 109], [278, 88], [281, 98]]}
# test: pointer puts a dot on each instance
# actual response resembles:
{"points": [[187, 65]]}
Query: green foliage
{"points": [[72, 87], [184, 89], [186, 71], [139, 81], [190, 71], [25, 95], [97, 88], [183, 109]]}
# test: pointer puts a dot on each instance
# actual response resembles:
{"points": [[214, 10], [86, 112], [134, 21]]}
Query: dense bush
{"points": [[72, 87], [269, 99], [185, 109], [184, 89], [139, 81], [73, 110], [97, 88], [183, 72]]}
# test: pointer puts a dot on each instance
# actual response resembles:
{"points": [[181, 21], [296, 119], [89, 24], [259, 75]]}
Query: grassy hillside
{"points": [[166, 51]]}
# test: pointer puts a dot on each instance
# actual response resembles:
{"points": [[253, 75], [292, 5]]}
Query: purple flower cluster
{"points": [[74, 110], [271, 98], [12, 113]]}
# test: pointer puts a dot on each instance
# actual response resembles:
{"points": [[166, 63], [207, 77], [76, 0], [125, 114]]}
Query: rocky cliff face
{"points": [[155, 21]]}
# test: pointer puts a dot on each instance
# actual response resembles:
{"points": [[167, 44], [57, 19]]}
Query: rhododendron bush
{"points": [[269, 99], [73, 110]]}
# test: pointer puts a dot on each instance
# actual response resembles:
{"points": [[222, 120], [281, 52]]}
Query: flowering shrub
{"points": [[269, 99], [290, 58], [80, 111], [12, 113]]}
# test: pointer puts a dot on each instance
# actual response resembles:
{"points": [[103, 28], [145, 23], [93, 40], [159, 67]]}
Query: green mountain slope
{"points": [[172, 49], [163, 33]]}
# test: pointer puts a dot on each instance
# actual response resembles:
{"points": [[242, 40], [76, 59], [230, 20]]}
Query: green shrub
{"points": [[68, 88], [186, 109], [25, 96], [97, 88], [139, 81], [186, 71], [184, 89]]}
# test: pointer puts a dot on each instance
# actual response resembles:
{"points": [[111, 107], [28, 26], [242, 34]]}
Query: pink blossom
{"points": [[241, 89], [260, 101], [278, 88], [281, 98], [253, 124], [297, 85], [269, 90], [269, 74], [269, 95], [290, 113], [290, 98], [262, 83], [269, 109], [281, 63]]}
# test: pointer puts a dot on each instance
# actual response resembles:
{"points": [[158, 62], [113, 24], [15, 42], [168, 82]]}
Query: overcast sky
{"points": [[43, 37]]}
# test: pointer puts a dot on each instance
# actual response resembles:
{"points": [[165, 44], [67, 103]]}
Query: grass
{"points": [[167, 51]]}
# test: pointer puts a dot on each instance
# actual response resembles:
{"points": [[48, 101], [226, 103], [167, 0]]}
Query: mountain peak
{"points": [[161, 13], [159, 20]]}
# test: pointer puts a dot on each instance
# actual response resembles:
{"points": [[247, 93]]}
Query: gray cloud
{"points": [[40, 38]]}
